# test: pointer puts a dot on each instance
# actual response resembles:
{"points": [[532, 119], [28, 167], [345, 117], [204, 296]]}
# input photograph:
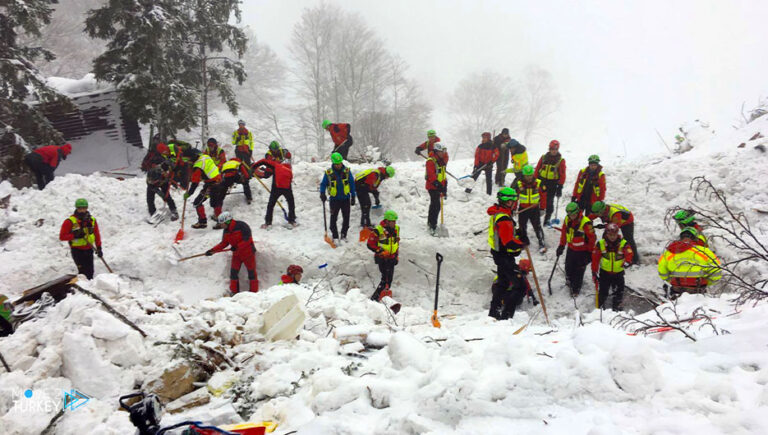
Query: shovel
{"points": [[538, 289], [285, 213], [435, 321], [176, 261], [325, 224], [442, 231], [365, 234], [180, 233], [556, 221]]}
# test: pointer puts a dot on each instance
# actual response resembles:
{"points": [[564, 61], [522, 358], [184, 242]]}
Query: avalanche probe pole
{"points": [[435, 321], [538, 289]]}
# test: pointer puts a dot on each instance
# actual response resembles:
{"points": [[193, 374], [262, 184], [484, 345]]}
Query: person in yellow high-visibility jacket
{"points": [[518, 158], [687, 266]]}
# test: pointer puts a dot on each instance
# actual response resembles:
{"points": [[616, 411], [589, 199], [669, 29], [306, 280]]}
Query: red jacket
{"points": [[619, 218], [372, 180], [65, 234], [218, 156], [51, 153], [283, 172], [339, 133], [237, 235], [548, 159], [505, 229], [242, 170], [583, 240], [521, 188], [429, 144], [596, 179], [287, 279], [432, 170], [373, 241], [610, 247], [485, 153]]}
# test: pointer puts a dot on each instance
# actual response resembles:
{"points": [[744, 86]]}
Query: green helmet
{"points": [[81, 202], [506, 194], [689, 232], [390, 215], [684, 217], [431, 133], [336, 158], [598, 207], [527, 170], [390, 171], [326, 123], [594, 158], [274, 145], [571, 208]]}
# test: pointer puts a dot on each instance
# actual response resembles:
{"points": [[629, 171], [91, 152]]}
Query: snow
{"points": [[352, 369]]}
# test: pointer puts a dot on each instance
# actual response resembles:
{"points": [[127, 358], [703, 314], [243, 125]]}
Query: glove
{"points": [[208, 253], [99, 252], [526, 241], [186, 196], [436, 184], [78, 233], [352, 201], [560, 250], [559, 191], [418, 151], [600, 226], [323, 197]]}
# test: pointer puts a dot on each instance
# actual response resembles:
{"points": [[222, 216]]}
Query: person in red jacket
{"points": [[217, 153], [292, 275], [437, 183], [429, 144], [532, 195], [525, 268], [551, 171], [610, 256], [340, 136], [81, 231], [368, 181], [235, 171], [237, 234], [44, 160], [578, 234], [278, 153], [384, 242], [485, 155], [281, 186], [590, 185]]}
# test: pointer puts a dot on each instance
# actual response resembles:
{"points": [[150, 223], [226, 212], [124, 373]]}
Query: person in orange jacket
{"points": [[485, 156], [551, 171], [384, 242], [44, 160], [292, 275], [429, 144], [237, 234], [590, 185], [578, 234], [81, 231], [341, 137], [437, 183], [281, 186], [217, 153], [610, 256]]}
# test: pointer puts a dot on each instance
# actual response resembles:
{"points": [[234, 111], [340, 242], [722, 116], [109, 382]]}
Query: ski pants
{"points": [[43, 171], [250, 265], [532, 215], [216, 192], [608, 281], [230, 181], [434, 208], [273, 196], [84, 261], [551, 189], [508, 288], [387, 269], [576, 263], [501, 166], [343, 149], [488, 169], [336, 206], [163, 191], [628, 231], [363, 197]]}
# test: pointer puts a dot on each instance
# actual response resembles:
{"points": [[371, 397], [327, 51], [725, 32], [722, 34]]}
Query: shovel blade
{"points": [[554, 221], [442, 231], [377, 211], [329, 241], [435, 321], [365, 234], [179, 236]]}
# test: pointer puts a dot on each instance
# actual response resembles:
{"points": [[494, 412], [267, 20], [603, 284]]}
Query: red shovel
{"points": [[180, 234]]}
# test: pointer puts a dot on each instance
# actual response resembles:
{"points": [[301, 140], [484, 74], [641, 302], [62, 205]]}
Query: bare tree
{"points": [[541, 101]]}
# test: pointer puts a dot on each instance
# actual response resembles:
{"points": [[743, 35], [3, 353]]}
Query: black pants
{"points": [[163, 191], [6, 328], [628, 232], [488, 177], [43, 171], [230, 181], [336, 206], [387, 269], [343, 149], [501, 166], [533, 216], [434, 208], [84, 261], [364, 198], [576, 263], [608, 281], [508, 289], [551, 189], [288, 195]]}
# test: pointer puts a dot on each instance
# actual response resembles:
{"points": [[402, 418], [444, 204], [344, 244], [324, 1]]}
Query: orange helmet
{"points": [[525, 265]]}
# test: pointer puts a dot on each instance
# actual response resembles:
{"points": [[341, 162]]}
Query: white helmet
{"points": [[224, 217], [439, 147]]}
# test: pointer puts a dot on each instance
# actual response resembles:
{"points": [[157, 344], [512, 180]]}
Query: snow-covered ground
{"points": [[353, 370]]}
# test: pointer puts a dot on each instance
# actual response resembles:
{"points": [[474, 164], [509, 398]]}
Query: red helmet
{"points": [[525, 265], [293, 269], [66, 148], [163, 149], [554, 144]]}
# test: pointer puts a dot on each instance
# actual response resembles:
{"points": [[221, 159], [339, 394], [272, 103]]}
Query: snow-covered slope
{"points": [[471, 376]]}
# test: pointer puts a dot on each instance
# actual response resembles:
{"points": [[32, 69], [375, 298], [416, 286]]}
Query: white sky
{"points": [[623, 68]]}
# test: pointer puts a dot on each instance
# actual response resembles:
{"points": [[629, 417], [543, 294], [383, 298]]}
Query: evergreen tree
{"points": [[159, 57]]}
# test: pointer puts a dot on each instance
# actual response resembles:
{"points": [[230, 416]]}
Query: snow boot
{"points": [[200, 224], [265, 226], [220, 226], [174, 215]]}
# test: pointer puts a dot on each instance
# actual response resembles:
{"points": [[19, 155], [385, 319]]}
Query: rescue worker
{"points": [[242, 139], [519, 158], [159, 183], [292, 275], [237, 234], [621, 216], [532, 195], [437, 183], [429, 144], [6, 308], [156, 153], [526, 267], [340, 135], [385, 244], [235, 171], [205, 170], [508, 288], [281, 186], [578, 233], [590, 184], [43, 162], [213, 149], [81, 231], [485, 156], [687, 218], [277, 153], [501, 142], [610, 256], [687, 266], [340, 185], [182, 156], [551, 171], [367, 182]]}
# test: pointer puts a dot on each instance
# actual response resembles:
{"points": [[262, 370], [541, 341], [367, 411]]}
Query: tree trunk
{"points": [[204, 96]]}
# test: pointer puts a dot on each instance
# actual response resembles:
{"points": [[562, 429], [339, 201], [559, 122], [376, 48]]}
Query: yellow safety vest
{"points": [[208, 166], [389, 245], [695, 262], [439, 169], [332, 182], [573, 233], [595, 187], [612, 261], [550, 172], [239, 139], [493, 236], [280, 156], [230, 164], [361, 175], [519, 160], [88, 240], [527, 195]]}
